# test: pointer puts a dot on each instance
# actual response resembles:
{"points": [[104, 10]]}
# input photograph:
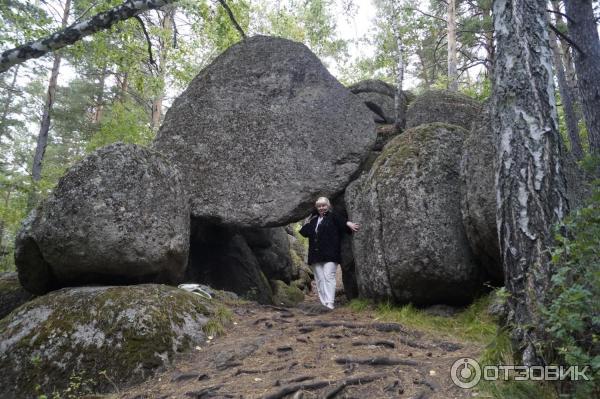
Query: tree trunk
{"points": [[424, 74], [567, 100], [42, 140], [530, 188], [77, 31], [2, 222], [7, 103], [123, 87], [452, 72], [100, 98], [165, 46], [566, 53], [583, 31], [399, 100], [489, 46]]}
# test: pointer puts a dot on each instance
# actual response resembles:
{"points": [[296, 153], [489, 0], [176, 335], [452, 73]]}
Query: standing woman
{"points": [[324, 229]]}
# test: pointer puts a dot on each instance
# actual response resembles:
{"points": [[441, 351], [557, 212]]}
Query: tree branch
{"points": [[151, 58], [424, 13], [566, 38], [561, 14], [77, 31], [232, 17]]}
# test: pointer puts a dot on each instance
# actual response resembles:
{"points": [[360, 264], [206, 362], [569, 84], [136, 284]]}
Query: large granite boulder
{"points": [[12, 293], [262, 131], [118, 216], [443, 106], [478, 199], [412, 246], [100, 335]]}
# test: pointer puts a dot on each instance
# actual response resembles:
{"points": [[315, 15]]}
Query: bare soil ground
{"points": [[269, 352]]}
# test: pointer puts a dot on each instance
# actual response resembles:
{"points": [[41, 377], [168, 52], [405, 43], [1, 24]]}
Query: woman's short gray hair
{"points": [[323, 200]]}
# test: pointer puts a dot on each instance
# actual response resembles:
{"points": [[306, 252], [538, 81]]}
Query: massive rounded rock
{"points": [[478, 200], [127, 333], [412, 246], [262, 131], [443, 106], [118, 216]]}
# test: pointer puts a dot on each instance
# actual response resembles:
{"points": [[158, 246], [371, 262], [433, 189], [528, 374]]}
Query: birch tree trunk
{"points": [[583, 31], [530, 187], [42, 140], [452, 73], [567, 100], [399, 100]]}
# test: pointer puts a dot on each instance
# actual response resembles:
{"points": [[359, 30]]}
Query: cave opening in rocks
{"points": [[245, 260]]}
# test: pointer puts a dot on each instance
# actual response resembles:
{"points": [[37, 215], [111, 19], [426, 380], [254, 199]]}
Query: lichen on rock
{"points": [[412, 246], [107, 335]]}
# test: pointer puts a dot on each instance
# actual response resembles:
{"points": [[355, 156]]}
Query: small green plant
{"points": [[500, 352], [223, 314], [473, 323], [572, 318], [213, 328]]}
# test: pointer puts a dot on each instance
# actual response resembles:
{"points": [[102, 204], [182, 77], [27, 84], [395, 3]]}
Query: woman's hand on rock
{"points": [[353, 226]]}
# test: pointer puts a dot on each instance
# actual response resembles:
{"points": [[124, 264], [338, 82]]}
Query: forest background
{"points": [[117, 84]]}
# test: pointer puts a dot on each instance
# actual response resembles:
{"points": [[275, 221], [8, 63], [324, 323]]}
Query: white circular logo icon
{"points": [[465, 373]]}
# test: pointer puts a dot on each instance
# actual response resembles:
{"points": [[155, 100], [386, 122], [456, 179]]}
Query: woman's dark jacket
{"points": [[324, 245]]}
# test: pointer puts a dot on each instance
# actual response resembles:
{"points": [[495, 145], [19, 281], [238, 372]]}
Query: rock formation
{"points": [[262, 131], [412, 246], [126, 332], [119, 216]]}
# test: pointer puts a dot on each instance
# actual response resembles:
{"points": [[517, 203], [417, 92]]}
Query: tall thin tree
{"points": [[399, 100], [567, 100], [42, 139], [530, 187], [452, 55], [584, 32]]}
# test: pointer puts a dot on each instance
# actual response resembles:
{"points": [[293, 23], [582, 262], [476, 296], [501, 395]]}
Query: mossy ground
{"points": [[471, 325], [106, 337]]}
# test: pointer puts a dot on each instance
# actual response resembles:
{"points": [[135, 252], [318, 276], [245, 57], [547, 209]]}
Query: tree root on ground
{"points": [[376, 361], [289, 389]]}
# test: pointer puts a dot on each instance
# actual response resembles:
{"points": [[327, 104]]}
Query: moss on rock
{"points": [[286, 295], [104, 335]]}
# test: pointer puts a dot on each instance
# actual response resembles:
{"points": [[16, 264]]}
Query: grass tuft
{"points": [[472, 324]]}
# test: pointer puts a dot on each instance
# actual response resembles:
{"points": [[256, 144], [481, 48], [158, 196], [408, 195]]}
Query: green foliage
{"points": [[572, 318], [124, 122], [472, 324], [220, 317]]}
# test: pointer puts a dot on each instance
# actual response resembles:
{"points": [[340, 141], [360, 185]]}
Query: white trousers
{"points": [[325, 281]]}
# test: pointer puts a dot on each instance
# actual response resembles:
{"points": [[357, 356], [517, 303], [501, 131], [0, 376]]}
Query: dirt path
{"points": [[268, 349]]}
